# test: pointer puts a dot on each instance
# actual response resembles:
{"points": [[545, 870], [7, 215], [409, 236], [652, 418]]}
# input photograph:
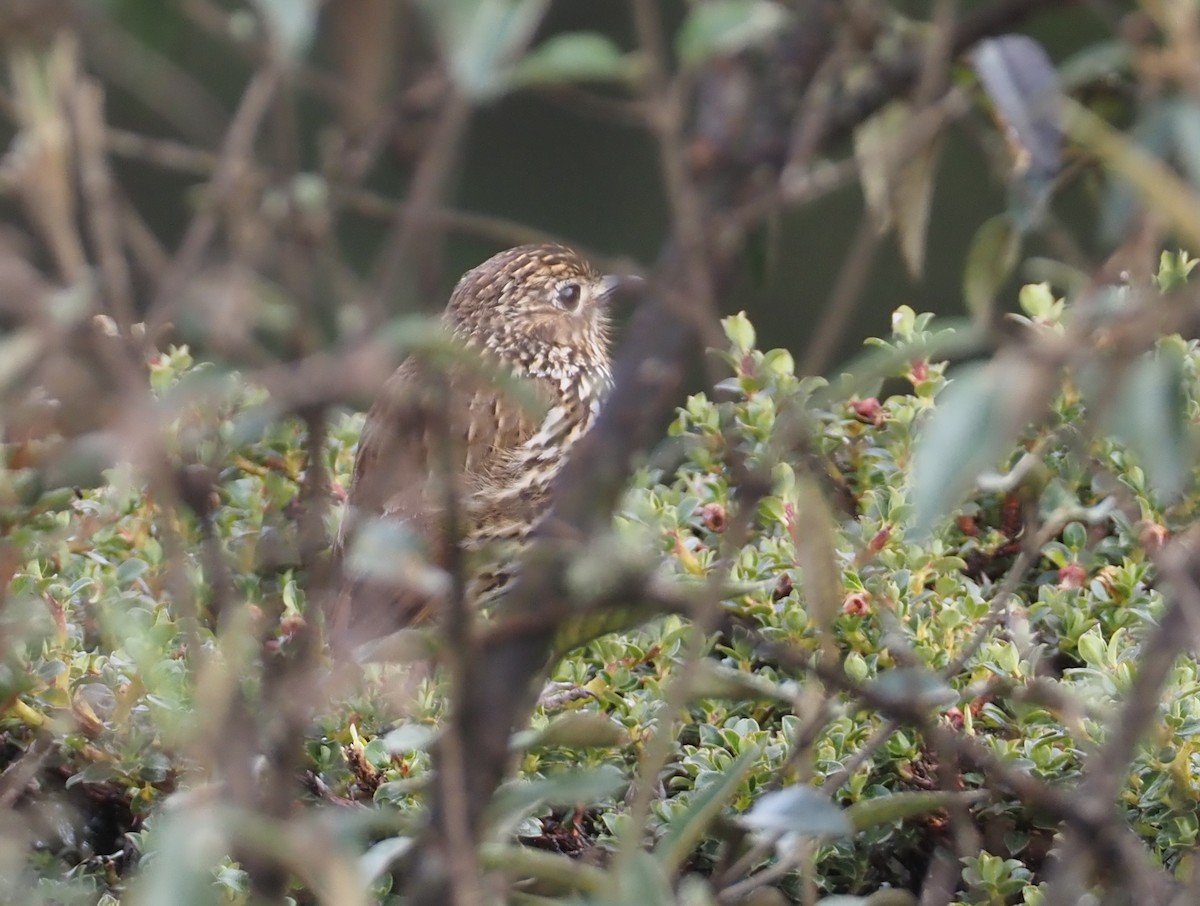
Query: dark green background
{"points": [[538, 161]]}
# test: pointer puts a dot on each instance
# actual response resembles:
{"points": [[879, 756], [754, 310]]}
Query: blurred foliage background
{"points": [[542, 159], [922, 631]]}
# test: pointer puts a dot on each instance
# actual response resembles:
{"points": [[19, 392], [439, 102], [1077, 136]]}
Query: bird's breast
{"points": [[514, 497]]}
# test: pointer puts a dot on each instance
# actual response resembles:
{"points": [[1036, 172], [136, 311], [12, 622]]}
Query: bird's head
{"points": [[525, 300]]}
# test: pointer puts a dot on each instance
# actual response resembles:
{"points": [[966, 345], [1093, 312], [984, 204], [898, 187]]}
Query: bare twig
{"points": [[154, 79], [234, 161], [96, 183], [412, 239]]}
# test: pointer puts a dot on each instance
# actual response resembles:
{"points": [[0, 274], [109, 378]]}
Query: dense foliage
{"points": [[918, 628], [785, 497]]}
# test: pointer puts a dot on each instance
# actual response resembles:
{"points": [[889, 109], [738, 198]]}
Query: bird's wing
{"points": [[424, 426]]}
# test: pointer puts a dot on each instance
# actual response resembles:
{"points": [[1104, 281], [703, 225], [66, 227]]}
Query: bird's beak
{"points": [[620, 288]]}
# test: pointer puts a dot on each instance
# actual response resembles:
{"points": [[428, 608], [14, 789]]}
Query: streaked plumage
{"points": [[539, 311]]}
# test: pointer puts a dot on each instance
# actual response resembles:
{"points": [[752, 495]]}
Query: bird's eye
{"points": [[567, 296]]}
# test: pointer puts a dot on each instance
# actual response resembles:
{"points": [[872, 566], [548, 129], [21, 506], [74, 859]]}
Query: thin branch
{"points": [[237, 151], [100, 209], [413, 235]]}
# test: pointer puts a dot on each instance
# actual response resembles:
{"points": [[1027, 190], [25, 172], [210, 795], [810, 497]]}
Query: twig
{"points": [[458, 625], [154, 79], [412, 235], [1177, 631], [884, 82], [665, 117], [856, 269], [20, 773], [1110, 840], [181, 158], [234, 160], [100, 209]]}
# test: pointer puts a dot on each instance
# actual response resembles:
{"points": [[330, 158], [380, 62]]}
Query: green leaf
{"points": [[575, 730], [897, 191], [990, 262], [978, 418], [581, 56], [130, 569], [685, 830], [914, 686], [1037, 300], [1092, 648], [798, 810], [1022, 84], [740, 332], [1149, 413], [99, 772], [725, 27], [290, 23], [640, 879], [1174, 268], [515, 800], [381, 856], [483, 39], [409, 738], [868, 813]]}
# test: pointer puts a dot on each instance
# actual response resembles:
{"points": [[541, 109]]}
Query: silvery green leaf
{"points": [[914, 686], [380, 857], [990, 261], [975, 424], [290, 23], [725, 27], [798, 810], [483, 39], [581, 56], [1022, 83], [515, 800], [409, 738], [1148, 412]]}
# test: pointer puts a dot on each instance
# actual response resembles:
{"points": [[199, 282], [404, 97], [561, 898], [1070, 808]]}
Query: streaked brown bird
{"points": [[539, 312]]}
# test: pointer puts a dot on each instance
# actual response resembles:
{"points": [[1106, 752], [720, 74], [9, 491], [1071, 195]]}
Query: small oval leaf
{"points": [[867, 813], [798, 810], [990, 262], [1022, 84], [574, 57], [515, 800], [576, 730], [914, 686], [685, 830], [290, 23], [976, 422], [1149, 413], [725, 27]]}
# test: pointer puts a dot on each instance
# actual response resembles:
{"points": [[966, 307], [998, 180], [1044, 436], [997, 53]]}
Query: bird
{"points": [[455, 433]]}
